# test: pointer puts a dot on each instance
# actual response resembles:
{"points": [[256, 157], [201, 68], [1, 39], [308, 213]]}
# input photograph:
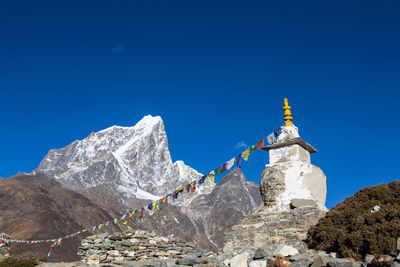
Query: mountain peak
{"points": [[134, 160], [147, 122]]}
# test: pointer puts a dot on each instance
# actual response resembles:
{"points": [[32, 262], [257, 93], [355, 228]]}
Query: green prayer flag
{"points": [[218, 171]]}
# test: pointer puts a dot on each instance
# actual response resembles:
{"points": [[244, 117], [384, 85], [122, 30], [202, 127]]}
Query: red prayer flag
{"points": [[140, 213], [260, 144]]}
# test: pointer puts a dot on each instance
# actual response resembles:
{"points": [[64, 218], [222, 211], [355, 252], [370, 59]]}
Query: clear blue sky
{"points": [[215, 71]]}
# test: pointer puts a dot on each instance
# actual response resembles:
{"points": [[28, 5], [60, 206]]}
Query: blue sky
{"points": [[215, 71]]}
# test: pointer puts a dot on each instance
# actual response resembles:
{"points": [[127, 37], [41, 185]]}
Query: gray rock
{"points": [[240, 260], [299, 203], [368, 258], [394, 264], [189, 261], [301, 263], [342, 263], [264, 252], [320, 260], [259, 263], [285, 251]]}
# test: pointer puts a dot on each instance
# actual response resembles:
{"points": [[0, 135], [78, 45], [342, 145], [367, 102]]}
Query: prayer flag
{"points": [[193, 186], [218, 171], [154, 205], [166, 201], [202, 179], [260, 144], [239, 160], [140, 213], [223, 167], [211, 176], [230, 164], [271, 138], [150, 206], [246, 154], [277, 132]]}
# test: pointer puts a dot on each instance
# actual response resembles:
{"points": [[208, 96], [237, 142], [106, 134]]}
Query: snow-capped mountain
{"points": [[121, 168], [135, 161]]}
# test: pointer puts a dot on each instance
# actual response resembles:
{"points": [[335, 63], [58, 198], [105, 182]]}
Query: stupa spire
{"points": [[287, 114]]}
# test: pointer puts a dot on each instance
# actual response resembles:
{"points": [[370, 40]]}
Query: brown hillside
{"points": [[36, 207]]}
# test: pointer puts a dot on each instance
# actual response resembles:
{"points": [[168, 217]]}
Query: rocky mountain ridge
{"points": [[133, 161]]}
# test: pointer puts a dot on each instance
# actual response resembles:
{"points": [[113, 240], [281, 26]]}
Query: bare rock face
{"points": [[290, 175]]}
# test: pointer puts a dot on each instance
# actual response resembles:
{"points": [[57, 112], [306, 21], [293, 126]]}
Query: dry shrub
{"points": [[351, 229]]}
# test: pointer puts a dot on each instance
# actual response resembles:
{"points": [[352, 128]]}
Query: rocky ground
{"points": [[141, 248]]}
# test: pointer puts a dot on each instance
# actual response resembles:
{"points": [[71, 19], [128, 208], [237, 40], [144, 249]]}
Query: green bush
{"points": [[13, 262], [351, 229]]}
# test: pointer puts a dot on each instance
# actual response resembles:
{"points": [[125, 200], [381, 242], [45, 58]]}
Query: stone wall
{"points": [[266, 228], [132, 247]]}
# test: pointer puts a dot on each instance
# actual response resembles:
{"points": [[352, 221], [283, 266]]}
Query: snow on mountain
{"points": [[135, 160]]}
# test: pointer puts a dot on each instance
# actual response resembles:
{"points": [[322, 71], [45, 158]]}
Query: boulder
{"points": [[320, 260], [299, 203], [285, 251], [240, 260], [258, 263], [301, 263], [342, 263]]}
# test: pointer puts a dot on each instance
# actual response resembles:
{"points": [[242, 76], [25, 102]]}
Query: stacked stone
{"points": [[131, 247], [266, 228]]}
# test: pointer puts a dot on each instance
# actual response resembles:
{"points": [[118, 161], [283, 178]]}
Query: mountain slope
{"points": [[36, 207]]}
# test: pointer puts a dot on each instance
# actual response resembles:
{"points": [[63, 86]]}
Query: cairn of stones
{"points": [[132, 246]]}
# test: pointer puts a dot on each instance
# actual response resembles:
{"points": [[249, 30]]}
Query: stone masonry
{"points": [[266, 228], [130, 247]]}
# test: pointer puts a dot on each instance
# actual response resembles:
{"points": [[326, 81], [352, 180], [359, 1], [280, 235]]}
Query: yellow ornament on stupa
{"points": [[287, 114]]}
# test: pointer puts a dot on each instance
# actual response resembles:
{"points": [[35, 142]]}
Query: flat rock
{"points": [[301, 263], [299, 203], [286, 251], [259, 263], [240, 260]]}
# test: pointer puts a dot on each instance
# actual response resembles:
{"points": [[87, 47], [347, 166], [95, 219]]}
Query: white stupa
{"points": [[290, 174]]}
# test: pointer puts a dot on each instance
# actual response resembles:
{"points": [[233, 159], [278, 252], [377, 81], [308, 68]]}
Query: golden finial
{"points": [[288, 114]]}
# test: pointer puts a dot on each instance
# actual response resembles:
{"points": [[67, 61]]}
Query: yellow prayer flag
{"points": [[125, 222], [100, 225], [154, 205], [211, 177], [246, 154], [115, 220]]}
